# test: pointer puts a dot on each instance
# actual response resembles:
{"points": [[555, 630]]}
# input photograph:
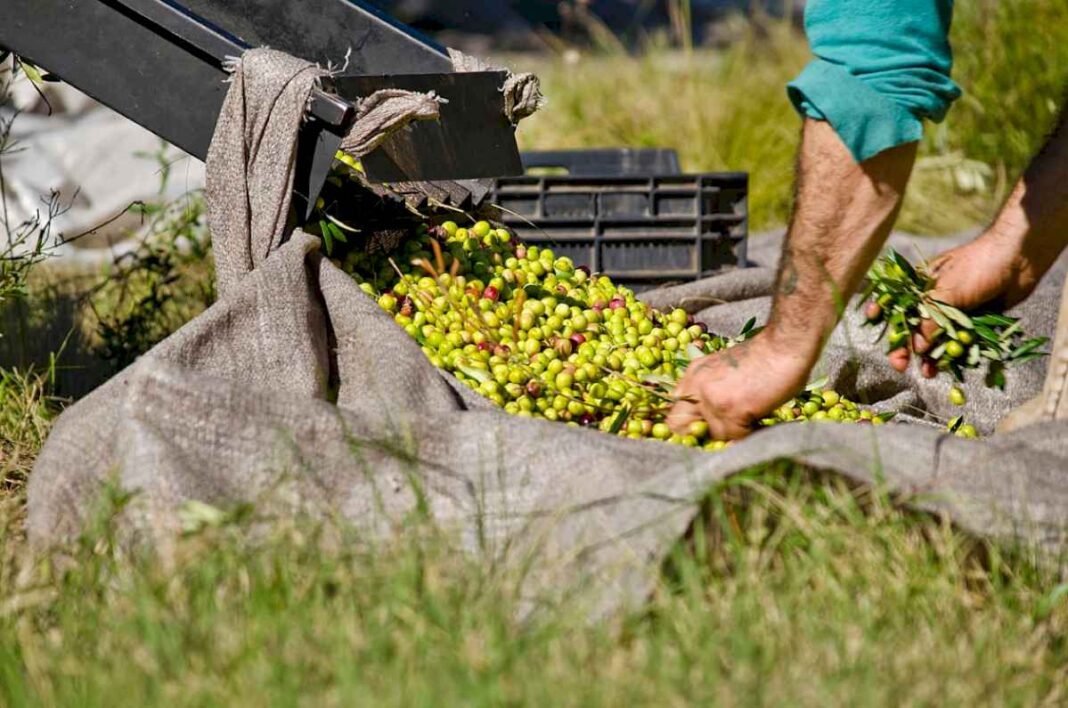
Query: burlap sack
{"points": [[232, 409]]}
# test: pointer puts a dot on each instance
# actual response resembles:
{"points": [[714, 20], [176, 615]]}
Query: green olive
{"points": [[957, 397], [698, 429], [542, 338], [661, 431]]}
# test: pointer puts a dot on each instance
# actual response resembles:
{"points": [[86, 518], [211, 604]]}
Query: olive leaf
{"points": [[992, 319], [962, 342], [341, 224], [995, 376], [620, 419], [1011, 329], [480, 375], [903, 263], [817, 385], [986, 333], [31, 71], [1028, 347], [936, 314], [956, 315], [331, 233]]}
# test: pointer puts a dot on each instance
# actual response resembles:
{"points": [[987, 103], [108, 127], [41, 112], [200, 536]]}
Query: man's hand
{"points": [[991, 270], [1003, 266], [735, 388], [842, 216]]}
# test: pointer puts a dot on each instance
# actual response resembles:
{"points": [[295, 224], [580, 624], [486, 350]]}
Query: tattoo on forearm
{"points": [[842, 213], [732, 356], [787, 274]]}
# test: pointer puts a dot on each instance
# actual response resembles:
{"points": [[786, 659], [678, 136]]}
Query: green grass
{"points": [[727, 109], [803, 593]]}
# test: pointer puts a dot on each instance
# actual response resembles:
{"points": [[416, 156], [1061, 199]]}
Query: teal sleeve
{"points": [[881, 68]]}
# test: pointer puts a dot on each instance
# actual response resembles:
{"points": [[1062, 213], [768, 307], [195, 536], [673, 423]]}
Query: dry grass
{"points": [[26, 410], [721, 110]]}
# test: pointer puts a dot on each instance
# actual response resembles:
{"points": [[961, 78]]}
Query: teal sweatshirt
{"points": [[881, 67]]}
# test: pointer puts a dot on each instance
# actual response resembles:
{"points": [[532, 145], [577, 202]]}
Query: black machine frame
{"points": [[160, 63]]}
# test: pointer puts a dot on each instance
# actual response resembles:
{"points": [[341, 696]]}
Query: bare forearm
{"points": [[1034, 218], [842, 216]]}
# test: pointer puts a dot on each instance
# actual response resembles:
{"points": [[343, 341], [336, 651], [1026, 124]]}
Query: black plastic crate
{"points": [[641, 230]]}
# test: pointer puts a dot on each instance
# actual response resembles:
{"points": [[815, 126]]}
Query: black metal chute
{"points": [[160, 64]]}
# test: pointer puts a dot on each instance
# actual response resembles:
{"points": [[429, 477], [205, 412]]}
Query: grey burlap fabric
{"points": [[232, 408], [522, 92], [250, 160], [385, 111]]}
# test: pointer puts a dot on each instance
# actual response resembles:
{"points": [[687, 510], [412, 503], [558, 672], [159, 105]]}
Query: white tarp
{"points": [[99, 161]]}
